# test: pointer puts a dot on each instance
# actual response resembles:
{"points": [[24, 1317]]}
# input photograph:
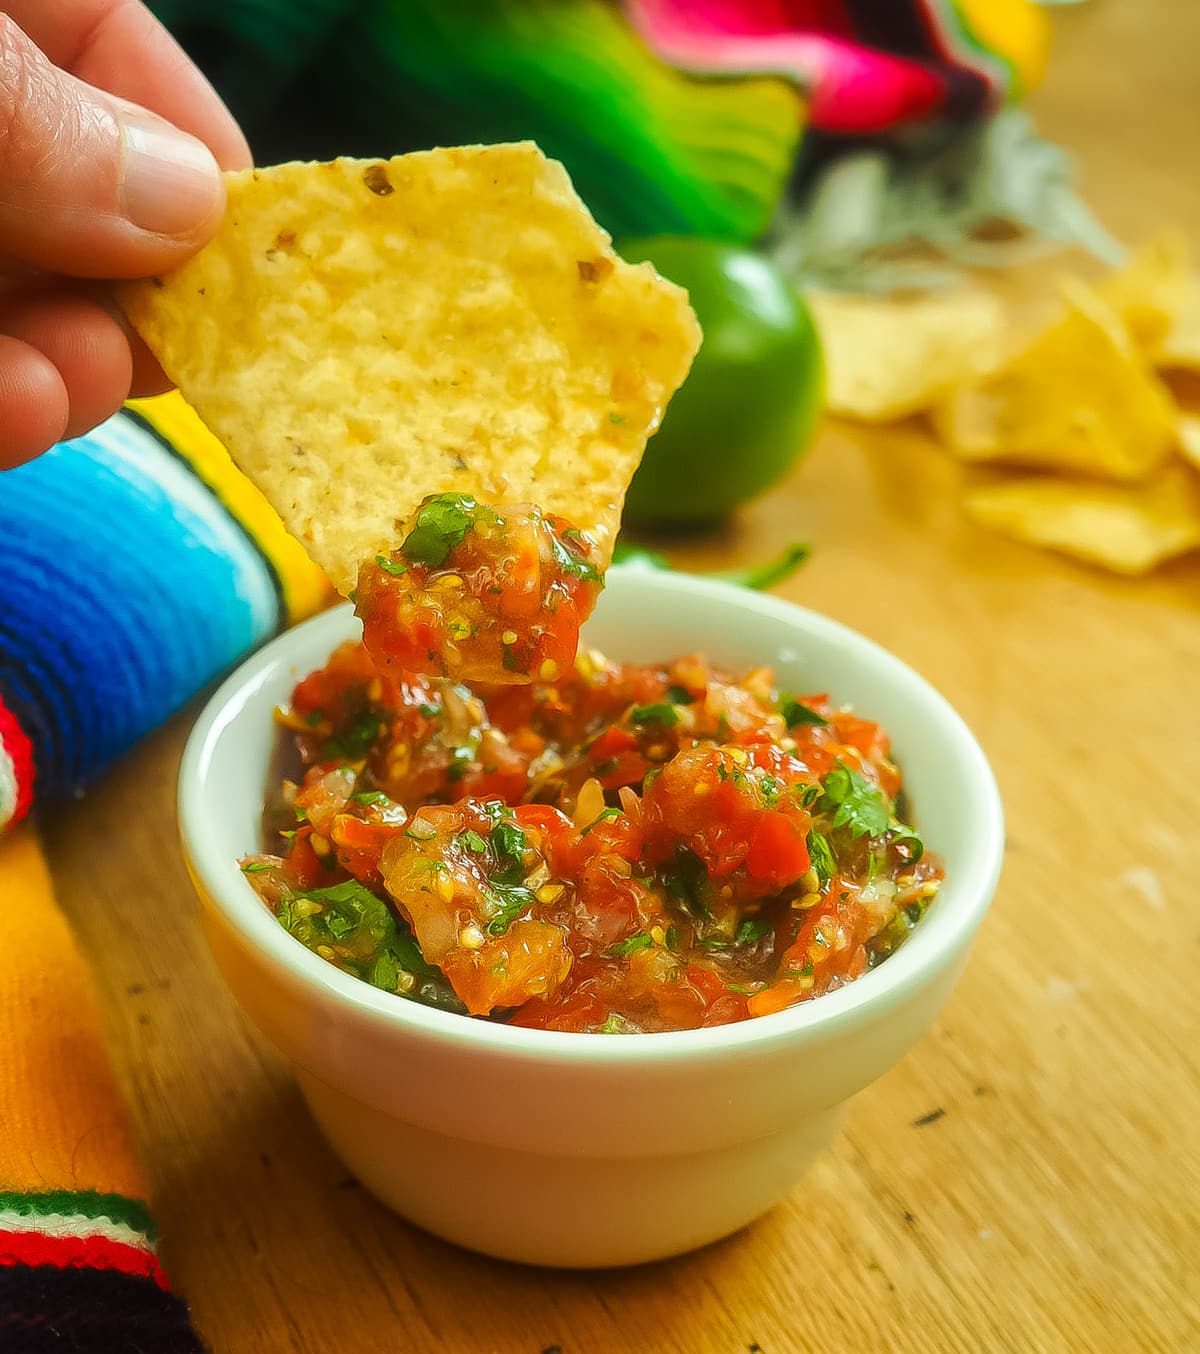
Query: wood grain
{"points": [[1029, 1178]]}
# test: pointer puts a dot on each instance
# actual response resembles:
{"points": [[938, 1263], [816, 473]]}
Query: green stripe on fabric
{"points": [[650, 150], [86, 1203]]}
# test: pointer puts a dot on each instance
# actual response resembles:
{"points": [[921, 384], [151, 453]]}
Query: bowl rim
{"points": [[943, 934]]}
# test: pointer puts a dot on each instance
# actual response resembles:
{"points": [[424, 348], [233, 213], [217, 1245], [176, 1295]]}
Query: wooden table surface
{"points": [[1028, 1178]]}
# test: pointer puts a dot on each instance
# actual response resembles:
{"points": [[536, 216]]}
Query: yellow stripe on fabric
{"points": [[62, 1123], [305, 588], [1018, 31]]}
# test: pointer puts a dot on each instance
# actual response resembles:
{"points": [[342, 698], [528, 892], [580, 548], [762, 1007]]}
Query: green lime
{"points": [[754, 394]]}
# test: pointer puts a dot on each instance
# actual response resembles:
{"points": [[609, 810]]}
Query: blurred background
{"points": [[943, 254], [872, 181]]}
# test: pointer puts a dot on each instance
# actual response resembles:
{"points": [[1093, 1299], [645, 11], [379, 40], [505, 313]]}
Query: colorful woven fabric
{"points": [[865, 66], [79, 1268], [136, 564], [672, 116]]}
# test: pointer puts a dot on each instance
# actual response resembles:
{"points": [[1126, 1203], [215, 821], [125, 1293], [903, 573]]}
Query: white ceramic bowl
{"points": [[578, 1149]]}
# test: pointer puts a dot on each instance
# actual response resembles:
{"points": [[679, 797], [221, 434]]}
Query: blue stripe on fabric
{"points": [[189, 466], [124, 588]]}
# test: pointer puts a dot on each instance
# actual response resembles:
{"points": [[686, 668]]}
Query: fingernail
{"points": [[170, 182]]}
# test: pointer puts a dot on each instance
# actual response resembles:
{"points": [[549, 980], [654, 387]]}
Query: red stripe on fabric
{"points": [[20, 752], [79, 1252]]}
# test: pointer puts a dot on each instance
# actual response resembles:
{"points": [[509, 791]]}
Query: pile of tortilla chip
{"points": [[1099, 404]]}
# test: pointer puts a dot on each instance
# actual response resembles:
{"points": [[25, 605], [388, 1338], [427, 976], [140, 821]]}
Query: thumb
{"points": [[90, 185]]}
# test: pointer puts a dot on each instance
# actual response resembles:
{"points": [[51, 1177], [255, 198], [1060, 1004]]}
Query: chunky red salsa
{"points": [[617, 848], [481, 593]]}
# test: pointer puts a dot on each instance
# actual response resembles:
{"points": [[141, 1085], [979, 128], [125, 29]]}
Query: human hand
{"points": [[95, 182]]}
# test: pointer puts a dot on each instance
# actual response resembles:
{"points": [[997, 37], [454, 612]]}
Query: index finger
{"points": [[119, 46]]}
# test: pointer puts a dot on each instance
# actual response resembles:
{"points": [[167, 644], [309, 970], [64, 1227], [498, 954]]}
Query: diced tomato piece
{"points": [[778, 854], [530, 960]]}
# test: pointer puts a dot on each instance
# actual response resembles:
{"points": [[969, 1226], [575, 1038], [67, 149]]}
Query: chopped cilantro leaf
{"points": [[257, 866], [795, 713], [672, 937], [757, 576], [630, 945], [441, 527], [806, 795], [821, 855], [355, 737], [508, 839], [770, 789], [350, 915], [368, 796], [910, 839], [713, 942], [680, 695], [853, 802], [462, 758], [385, 973], [510, 845], [391, 566], [688, 882], [752, 929], [430, 711], [760, 576], [571, 563], [663, 714], [407, 951], [604, 816], [510, 901], [473, 841]]}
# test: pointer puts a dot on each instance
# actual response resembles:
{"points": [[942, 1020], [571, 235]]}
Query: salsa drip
{"points": [[480, 593], [626, 848]]}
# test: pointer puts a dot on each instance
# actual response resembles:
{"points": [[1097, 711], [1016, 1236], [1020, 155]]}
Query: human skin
{"points": [[111, 146]]}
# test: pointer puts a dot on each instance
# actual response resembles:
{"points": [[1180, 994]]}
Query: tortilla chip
{"points": [[1127, 530], [888, 357], [1151, 292], [1080, 398], [1188, 438], [1181, 347], [363, 333]]}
